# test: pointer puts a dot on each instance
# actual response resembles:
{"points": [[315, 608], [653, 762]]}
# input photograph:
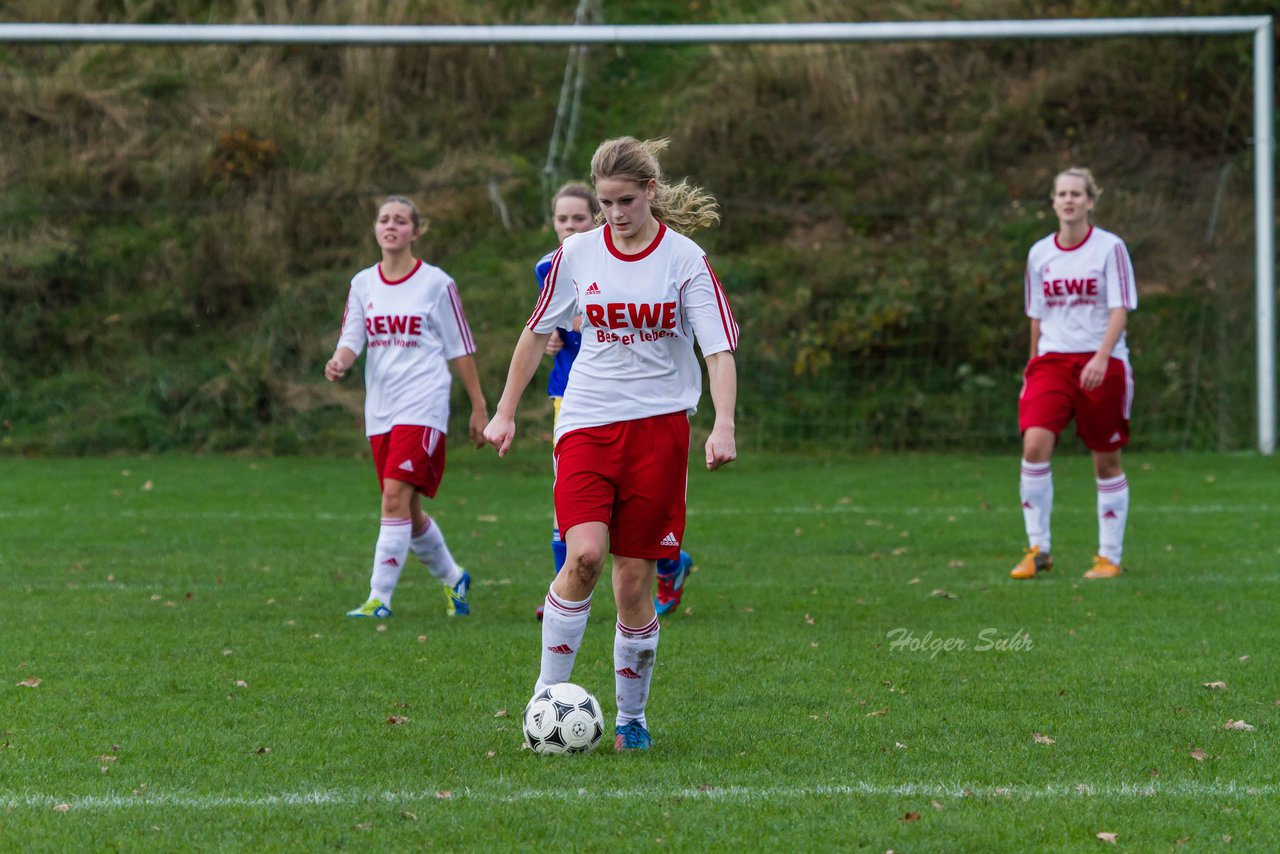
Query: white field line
{"points": [[540, 513], [727, 794], [151, 587]]}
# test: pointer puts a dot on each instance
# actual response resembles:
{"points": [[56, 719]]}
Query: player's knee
{"points": [[630, 593], [1037, 445], [394, 506], [1107, 467], [582, 575], [585, 564]]}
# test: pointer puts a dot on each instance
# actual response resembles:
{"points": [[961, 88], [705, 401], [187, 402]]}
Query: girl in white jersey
{"points": [[1079, 292], [645, 293], [574, 210], [410, 317]]}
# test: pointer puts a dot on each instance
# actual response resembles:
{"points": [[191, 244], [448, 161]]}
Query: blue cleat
{"points": [[632, 736], [671, 584], [457, 597], [373, 608]]}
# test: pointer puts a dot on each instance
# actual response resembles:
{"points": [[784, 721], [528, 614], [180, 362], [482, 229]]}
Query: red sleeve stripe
{"points": [[463, 329], [726, 313], [548, 288], [1026, 287], [1125, 272], [346, 312]]}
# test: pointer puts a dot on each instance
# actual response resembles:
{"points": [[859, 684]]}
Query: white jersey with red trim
{"points": [[412, 327], [1072, 291], [641, 314]]}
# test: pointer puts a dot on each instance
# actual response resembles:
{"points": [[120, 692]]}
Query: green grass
{"points": [[142, 591]]}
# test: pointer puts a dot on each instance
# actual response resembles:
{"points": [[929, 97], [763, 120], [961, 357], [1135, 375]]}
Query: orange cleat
{"points": [[1104, 568], [1032, 562]]}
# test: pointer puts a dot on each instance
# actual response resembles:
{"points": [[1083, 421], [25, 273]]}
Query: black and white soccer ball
{"points": [[563, 718]]}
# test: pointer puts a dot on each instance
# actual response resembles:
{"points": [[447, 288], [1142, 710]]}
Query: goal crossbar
{"points": [[1260, 26], [477, 34]]}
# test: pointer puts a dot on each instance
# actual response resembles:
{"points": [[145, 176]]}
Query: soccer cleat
{"points": [[538, 613], [373, 608], [456, 596], [1104, 568], [1032, 562], [632, 736], [671, 587]]}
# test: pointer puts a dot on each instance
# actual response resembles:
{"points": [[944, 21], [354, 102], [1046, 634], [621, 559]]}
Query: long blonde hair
{"points": [[683, 206], [1091, 188]]}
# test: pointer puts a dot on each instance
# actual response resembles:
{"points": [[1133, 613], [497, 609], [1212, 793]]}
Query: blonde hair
{"points": [[414, 215], [681, 206], [1091, 188], [577, 190]]}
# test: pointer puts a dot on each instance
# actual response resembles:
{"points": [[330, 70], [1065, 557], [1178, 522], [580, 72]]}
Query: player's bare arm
{"points": [[524, 362], [337, 366], [1095, 370], [464, 367], [722, 372]]}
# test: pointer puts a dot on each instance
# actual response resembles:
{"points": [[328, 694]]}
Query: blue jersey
{"points": [[572, 340]]}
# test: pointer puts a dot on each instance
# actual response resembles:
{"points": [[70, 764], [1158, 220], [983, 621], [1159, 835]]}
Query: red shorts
{"points": [[412, 454], [632, 476], [1051, 395]]}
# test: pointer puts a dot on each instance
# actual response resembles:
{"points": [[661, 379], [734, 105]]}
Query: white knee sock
{"points": [[634, 651], [388, 558], [563, 625], [1036, 489], [1113, 512], [429, 546]]}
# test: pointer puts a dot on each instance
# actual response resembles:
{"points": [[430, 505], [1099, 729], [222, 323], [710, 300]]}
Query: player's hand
{"points": [[500, 432], [475, 428], [554, 343], [1093, 372], [334, 370], [721, 448]]}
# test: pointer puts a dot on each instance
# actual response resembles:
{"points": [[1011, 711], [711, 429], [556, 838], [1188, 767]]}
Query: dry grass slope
{"points": [[180, 221]]}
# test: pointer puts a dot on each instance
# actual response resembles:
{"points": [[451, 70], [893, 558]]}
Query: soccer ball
{"points": [[563, 718]]}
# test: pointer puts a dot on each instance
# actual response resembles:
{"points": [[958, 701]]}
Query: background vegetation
{"points": [[178, 224]]}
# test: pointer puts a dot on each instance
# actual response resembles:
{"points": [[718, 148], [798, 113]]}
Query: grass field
{"points": [[196, 686]]}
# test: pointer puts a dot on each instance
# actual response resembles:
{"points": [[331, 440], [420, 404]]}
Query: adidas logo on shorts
{"points": [[669, 540], [407, 465]]}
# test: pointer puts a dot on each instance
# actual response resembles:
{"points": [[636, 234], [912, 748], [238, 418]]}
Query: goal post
{"points": [[1260, 26]]}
